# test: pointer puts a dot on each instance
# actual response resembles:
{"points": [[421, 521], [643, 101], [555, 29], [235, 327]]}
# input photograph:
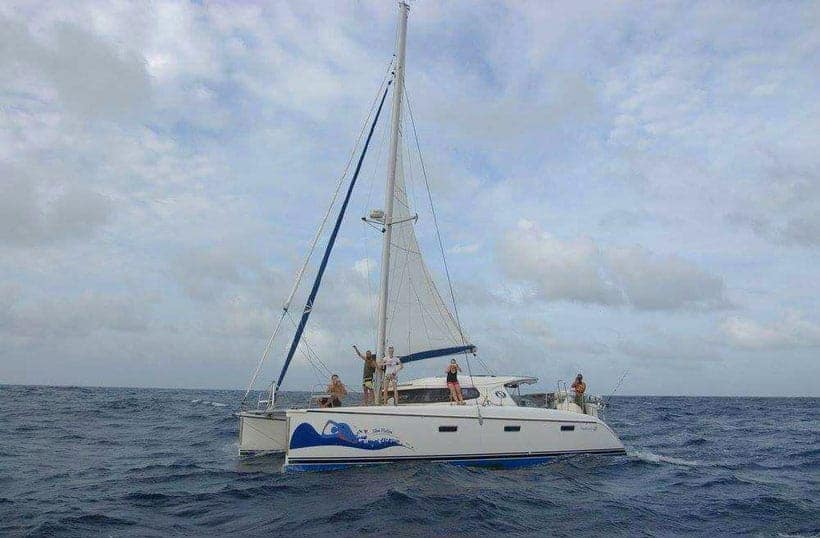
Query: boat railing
{"points": [[265, 399], [318, 395], [594, 405], [539, 399], [561, 392]]}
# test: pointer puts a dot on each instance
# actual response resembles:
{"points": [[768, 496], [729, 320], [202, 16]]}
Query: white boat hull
{"points": [[262, 432], [503, 436]]}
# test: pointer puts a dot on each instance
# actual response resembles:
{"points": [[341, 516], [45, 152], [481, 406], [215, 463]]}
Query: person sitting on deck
{"points": [[367, 375], [452, 382], [579, 387], [336, 390], [392, 366]]}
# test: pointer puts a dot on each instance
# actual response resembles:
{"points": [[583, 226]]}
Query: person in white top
{"points": [[392, 366]]}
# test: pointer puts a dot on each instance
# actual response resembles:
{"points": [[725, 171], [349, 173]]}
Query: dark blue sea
{"points": [[153, 462]]}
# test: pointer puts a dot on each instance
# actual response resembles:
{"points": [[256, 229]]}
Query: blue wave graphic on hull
{"points": [[336, 434]]}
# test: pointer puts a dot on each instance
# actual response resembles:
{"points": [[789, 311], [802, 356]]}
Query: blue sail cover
{"points": [[432, 353]]}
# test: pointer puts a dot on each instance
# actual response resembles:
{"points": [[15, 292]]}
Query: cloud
{"points": [[90, 75], [793, 331], [163, 167], [582, 271], [72, 317], [364, 267], [470, 248], [652, 282], [540, 335], [559, 270], [36, 212], [209, 272], [785, 209], [680, 351]]}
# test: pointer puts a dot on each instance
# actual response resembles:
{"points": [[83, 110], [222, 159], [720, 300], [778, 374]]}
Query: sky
{"points": [[622, 187]]}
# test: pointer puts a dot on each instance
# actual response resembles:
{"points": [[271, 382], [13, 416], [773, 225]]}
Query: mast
{"points": [[398, 91]]}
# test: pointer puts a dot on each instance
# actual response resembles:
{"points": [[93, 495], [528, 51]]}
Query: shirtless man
{"points": [[367, 374], [337, 390]]}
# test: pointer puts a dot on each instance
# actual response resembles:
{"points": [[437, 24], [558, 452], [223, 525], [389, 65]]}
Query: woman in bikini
{"points": [[452, 382]]}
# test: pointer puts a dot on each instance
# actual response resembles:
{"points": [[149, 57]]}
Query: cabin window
{"points": [[512, 428], [567, 428], [448, 428], [437, 395]]}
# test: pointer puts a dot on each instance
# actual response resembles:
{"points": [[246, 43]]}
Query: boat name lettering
{"points": [[376, 431]]}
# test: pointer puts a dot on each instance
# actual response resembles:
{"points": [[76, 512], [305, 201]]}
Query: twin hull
{"points": [[504, 436]]}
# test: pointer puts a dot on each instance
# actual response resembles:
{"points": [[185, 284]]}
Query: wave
{"points": [[165, 462], [658, 459], [206, 402]]}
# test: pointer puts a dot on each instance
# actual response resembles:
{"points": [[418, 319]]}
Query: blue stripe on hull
{"points": [[513, 463], [505, 464], [299, 467], [508, 462]]}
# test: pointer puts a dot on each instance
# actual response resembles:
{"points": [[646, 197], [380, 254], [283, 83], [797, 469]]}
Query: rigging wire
{"points": [[312, 358], [318, 234]]}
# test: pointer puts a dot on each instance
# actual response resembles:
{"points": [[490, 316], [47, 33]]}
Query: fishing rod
{"points": [[617, 386]]}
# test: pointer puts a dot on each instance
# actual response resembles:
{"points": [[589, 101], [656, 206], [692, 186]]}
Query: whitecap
{"points": [[206, 402], [657, 459]]}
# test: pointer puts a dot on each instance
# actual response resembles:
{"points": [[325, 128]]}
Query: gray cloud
{"points": [[91, 75], [36, 212], [206, 273], [791, 332], [72, 316], [559, 270], [582, 271], [785, 208], [651, 282], [178, 154], [677, 351]]}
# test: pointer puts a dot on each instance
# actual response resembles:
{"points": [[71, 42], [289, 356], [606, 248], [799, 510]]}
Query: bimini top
{"points": [[478, 381]]}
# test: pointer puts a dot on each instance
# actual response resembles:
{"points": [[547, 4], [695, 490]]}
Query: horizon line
{"points": [[356, 392]]}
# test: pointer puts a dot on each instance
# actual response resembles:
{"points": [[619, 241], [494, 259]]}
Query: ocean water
{"points": [[151, 462]]}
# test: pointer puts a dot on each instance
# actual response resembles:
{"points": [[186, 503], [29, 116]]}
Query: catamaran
{"points": [[498, 426]]}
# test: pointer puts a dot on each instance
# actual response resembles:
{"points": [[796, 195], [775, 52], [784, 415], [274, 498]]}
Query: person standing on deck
{"points": [[580, 388], [452, 382], [392, 366], [367, 375]]}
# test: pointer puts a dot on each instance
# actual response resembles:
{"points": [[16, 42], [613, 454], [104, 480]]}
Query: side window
{"points": [[437, 395]]}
